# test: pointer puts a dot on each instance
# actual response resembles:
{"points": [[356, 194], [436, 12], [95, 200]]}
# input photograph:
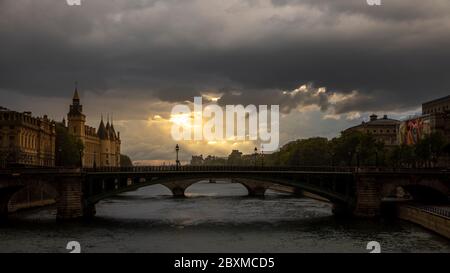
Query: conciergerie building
{"points": [[28, 140], [102, 146]]}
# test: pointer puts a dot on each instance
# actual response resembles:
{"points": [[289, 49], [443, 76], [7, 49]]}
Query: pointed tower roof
{"points": [[113, 131], [102, 133], [108, 130], [76, 109], [75, 93]]}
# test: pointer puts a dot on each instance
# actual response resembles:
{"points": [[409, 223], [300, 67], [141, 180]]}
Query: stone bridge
{"points": [[358, 192]]}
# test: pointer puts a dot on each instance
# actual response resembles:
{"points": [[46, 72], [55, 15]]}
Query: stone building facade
{"points": [[26, 140], [436, 106], [102, 146], [383, 129], [438, 111], [435, 118]]}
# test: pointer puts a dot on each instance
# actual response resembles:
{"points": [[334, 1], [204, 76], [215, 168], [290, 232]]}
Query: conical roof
{"points": [[102, 132], [75, 95]]}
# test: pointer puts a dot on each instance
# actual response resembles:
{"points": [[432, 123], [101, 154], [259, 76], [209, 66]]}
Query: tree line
{"points": [[349, 149]]}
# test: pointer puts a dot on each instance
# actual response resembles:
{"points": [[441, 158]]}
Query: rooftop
{"points": [[437, 100], [374, 120]]}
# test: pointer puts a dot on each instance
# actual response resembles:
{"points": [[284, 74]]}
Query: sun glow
{"points": [[184, 120]]}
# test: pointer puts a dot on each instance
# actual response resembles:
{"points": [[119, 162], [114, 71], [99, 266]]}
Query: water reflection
{"points": [[214, 218]]}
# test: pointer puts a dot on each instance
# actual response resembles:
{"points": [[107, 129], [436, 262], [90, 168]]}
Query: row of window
{"points": [[12, 127], [382, 131], [437, 109], [7, 141]]}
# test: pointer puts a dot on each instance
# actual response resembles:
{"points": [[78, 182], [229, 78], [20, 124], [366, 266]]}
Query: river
{"points": [[213, 218]]}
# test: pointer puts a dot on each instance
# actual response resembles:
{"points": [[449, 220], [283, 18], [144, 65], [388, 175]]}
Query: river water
{"points": [[214, 218]]}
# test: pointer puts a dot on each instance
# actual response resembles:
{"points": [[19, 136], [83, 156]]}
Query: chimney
{"points": [[373, 117]]}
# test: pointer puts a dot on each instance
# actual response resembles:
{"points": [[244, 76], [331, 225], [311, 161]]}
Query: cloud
{"points": [[174, 50], [138, 57]]}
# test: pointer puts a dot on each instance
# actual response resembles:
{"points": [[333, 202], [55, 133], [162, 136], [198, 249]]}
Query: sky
{"points": [[327, 64]]}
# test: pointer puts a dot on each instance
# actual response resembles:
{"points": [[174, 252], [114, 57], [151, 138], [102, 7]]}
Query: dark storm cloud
{"points": [[395, 56]]}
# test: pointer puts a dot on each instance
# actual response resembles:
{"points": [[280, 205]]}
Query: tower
{"points": [[76, 119], [103, 136]]}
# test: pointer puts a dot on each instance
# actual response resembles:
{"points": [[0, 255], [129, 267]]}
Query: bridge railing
{"points": [[442, 211], [226, 168], [190, 168], [193, 168]]}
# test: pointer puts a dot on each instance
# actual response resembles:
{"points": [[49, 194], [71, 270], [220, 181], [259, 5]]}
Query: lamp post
{"points": [[59, 156], [358, 151], [177, 149], [95, 160], [81, 158], [256, 154], [262, 155]]}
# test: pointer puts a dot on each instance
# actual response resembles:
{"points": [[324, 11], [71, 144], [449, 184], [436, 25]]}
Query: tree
{"points": [[402, 156], [68, 148], [430, 149], [346, 148], [125, 161]]}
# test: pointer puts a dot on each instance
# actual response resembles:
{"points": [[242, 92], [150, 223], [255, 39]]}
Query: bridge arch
{"points": [[178, 187], [27, 193], [256, 185], [420, 189]]}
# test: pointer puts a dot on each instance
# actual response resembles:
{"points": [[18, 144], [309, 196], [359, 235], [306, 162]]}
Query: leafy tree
{"points": [[430, 149], [402, 156], [125, 161], [346, 147], [68, 148]]}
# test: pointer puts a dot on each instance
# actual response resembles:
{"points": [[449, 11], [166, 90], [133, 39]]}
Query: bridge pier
{"points": [[368, 197], [70, 204], [178, 192], [256, 191], [89, 211], [255, 188]]}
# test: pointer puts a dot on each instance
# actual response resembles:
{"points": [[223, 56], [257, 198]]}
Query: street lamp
{"points": [[81, 158], [95, 160], [262, 155], [358, 151], [177, 149], [59, 156]]}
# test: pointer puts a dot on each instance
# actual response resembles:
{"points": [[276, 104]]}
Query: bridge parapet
{"points": [[233, 168], [359, 191]]}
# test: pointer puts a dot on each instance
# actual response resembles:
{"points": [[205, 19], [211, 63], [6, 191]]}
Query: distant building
{"points": [[435, 118], [440, 105], [235, 158], [26, 140], [197, 160], [383, 129], [102, 147]]}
